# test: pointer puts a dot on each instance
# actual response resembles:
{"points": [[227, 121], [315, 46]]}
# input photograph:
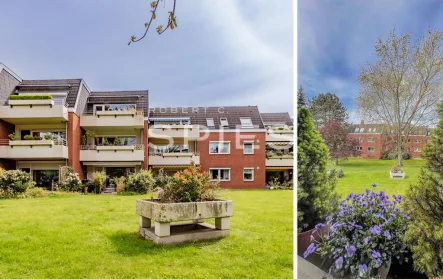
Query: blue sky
{"points": [[224, 52], [336, 38]]}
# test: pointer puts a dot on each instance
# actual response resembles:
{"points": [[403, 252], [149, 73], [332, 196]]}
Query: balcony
{"points": [[280, 135], [120, 153], [285, 160], [174, 131], [172, 159], [34, 149], [34, 111], [117, 118]]}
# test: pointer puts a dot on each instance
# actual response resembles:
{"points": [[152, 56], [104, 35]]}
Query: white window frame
{"points": [[246, 126], [373, 149], [221, 122], [360, 139], [219, 169], [362, 130], [247, 180], [251, 142], [417, 141], [229, 149], [356, 130], [371, 139], [417, 149], [210, 119]]}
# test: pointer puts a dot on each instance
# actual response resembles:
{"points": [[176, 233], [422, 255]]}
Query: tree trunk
{"points": [[399, 151], [336, 161]]}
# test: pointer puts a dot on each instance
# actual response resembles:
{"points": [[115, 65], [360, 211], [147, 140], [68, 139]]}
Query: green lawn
{"points": [[96, 236], [361, 173]]}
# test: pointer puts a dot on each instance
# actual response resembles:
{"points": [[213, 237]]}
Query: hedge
{"points": [[30, 97]]}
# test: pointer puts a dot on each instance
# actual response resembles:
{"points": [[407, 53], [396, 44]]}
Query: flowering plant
{"points": [[72, 182], [365, 235]]}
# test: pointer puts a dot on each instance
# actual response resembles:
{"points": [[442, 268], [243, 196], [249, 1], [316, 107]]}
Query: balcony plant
{"points": [[29, 137], [90, 135], [364, 237], [105, 142], [48, 137], [116, 142], [30, 97], [13, 136], [125, 142]]}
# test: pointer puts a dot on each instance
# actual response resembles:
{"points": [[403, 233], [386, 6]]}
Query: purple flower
{"points": [[375, 230], [160, 191], [320, 225], [387, 234], [366, 240], [374, 185], [350, 251], [362, 268], [339, 263], [328, 219], [378, 262], [309, 251], [375, 254]]}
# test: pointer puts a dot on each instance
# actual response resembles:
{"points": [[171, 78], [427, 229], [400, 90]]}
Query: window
{"points": [[220, 174], [417, 141], [370, 130], [373, 130], [360, 139], [210, 122], [362, 130], [360, 148], [219, 147], [224, 122], [356, 130], [248, 147], [248, 174], [371, 149], [417, 149], [371, 139], [246, 122]]}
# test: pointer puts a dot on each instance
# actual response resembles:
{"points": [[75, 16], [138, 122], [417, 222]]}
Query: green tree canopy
{"points": [[302, 101], [318, 185], [327, 107]]}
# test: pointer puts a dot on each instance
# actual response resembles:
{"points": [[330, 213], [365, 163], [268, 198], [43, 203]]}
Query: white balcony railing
{"points": [[106, 153], [34, 149], [174, 131], [174, 158], [116, 118]]}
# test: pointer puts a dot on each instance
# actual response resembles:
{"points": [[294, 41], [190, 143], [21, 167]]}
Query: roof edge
{"points": [[11, 72]]}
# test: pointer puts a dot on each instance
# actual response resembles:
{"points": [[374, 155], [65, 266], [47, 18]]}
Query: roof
{"points": [[52, 85], [382, 128], [198, 115], [139, 98], [276, 118]]}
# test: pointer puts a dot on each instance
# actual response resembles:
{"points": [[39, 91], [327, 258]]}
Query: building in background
{"points": [[376, 139], [47, 124]]}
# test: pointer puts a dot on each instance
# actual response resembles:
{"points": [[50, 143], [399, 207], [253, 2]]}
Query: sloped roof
{"points": [[277, 118], [383, 129], [52, 85], [198, 115]]}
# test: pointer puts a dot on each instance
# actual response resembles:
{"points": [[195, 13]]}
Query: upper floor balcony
{"points": [[34, 149], [107, 153], [279, 134], [28, 111], [279, 159], [186, 131], [113, 118], [174, 159]]}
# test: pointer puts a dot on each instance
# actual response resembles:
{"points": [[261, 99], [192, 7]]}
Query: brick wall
{"points": [[377, 143], [236, 160], [146, 145], [74, 142]]}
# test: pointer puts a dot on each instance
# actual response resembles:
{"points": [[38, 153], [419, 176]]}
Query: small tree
{"points": [[313, 177], [327, 107], [340, 144], [424, 204], [99, 179], [141, 182]]}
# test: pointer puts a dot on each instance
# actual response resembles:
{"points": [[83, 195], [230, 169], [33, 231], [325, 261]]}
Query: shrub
{"points": [[13, 136], [125, 142], [116, 141], [31, 97], [190, 185], [71, 183], [423, 203], [366, 235], [340, 173], [105, 142], [29, 137], [406, 156], [312, 173], [389, 155], [99, 179], [140, 182], [34, 192], [120, 183], [161, 179], [13, 182], [48, 137]]}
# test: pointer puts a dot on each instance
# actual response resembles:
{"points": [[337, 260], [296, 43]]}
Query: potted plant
{"points": [[397, 172], [28, 137], [48, 137], [99, 179], [105, 142], [125, 142], [90, 135], [189, 195], [364, 237], [116, 142], [13, 136]]}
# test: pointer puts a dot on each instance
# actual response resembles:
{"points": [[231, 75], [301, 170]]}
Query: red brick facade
{"points": [[236, 160], [74, 137]]}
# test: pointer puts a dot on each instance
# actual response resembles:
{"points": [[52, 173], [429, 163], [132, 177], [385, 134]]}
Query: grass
{"points": [[96, 236], [361, 173]]}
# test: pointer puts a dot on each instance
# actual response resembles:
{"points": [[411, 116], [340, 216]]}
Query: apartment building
{"points": [[46, 124], [376, 139]]}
